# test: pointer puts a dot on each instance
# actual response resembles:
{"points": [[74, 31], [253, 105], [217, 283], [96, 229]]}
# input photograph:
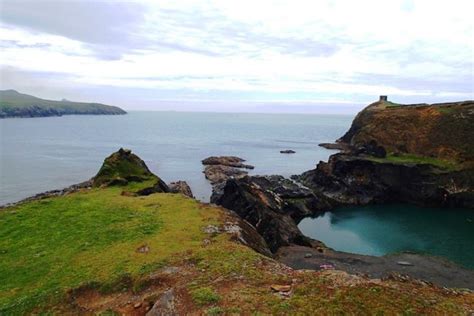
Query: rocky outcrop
{"points": [[402, 153], [336, 146], [181, 187], [219, 169], [218, 173], [355, 180], [123, 167], [370, 169], [230, 161], [273, 205], [438, 130]]}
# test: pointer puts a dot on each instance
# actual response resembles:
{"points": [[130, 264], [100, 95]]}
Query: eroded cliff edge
{"points": [[380, 162], [420, 154]]}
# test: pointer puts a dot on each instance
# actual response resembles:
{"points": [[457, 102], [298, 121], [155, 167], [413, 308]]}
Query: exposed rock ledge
{"points": [[438, 173]]}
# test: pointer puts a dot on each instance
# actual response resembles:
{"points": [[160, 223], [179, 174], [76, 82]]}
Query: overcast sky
{"points": [[264, 56]]}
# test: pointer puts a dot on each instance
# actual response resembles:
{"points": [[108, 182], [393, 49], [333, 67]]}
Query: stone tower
{"points": [[383, 98]]}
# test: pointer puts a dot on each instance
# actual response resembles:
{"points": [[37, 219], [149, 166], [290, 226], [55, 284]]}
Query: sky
{"points": [[325, 56]]}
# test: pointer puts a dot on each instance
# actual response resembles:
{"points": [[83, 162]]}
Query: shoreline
{"points": [[426, 268]]}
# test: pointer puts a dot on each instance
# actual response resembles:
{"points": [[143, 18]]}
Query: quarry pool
{"points": [[383, 229]]}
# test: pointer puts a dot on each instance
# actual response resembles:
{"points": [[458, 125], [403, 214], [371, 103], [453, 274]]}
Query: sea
{"points": [[41, 154]]}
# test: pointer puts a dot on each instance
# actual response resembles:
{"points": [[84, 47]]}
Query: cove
{"points": [[382, 229]]}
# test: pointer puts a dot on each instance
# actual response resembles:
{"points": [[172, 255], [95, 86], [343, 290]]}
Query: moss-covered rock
{"points": [[123, 167]]}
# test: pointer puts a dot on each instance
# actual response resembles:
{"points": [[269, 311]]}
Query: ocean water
{"points": [[41, 154], [384, 229]]}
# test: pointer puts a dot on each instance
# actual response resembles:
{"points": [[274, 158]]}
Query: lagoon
{"points": [[383, 229]]}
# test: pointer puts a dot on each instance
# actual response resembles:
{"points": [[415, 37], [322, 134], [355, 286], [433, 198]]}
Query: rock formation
{"points": [[273, 204], [379, 163], [123, 167], [438, 130], [181, 187]]}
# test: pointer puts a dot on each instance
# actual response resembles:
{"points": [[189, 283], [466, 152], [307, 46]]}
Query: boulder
{"points": [[181, 187], [219, 169], [230, 161], [220, 173]]}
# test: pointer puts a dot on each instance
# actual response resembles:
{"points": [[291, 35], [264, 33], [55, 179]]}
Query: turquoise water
{"points": [[379, 230], [40, 154]]}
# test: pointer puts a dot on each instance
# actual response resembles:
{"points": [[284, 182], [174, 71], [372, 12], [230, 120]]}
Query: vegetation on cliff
{"points": [[98, 250], [437, 131], [15, 104]]}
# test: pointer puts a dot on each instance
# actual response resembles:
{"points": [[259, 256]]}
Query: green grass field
{"points": [[52, 245]]}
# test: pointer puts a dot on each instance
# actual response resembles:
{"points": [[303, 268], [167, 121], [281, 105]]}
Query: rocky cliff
{"points": [[441, 131], [420, 154], [417, 153]]}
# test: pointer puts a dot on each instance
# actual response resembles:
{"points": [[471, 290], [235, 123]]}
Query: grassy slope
{"points": [[17, 104], [50, 246]]}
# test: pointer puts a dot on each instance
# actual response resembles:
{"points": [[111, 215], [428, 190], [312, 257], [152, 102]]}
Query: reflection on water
{"points": [[379, 230]]}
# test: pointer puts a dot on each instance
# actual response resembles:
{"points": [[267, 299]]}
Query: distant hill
{"points": [[15, 104]]}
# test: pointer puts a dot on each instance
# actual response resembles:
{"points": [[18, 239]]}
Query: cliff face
{"points": [[403, 153], [357, 180], [439, 130]]}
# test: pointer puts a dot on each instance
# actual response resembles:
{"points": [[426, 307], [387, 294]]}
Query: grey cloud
{"points": [[111, 28], [216, 35], [110, 23]]}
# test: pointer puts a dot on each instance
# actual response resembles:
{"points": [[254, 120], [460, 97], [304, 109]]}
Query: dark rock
{"points": [[372, 149], [181, 187], [264, 210], [243, 232], [230, 161], [220, 173], [288, 151], [336, 146], [347, 179]]}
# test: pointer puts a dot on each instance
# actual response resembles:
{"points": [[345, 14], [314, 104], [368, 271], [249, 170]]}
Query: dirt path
{"points": [[426, 268]]}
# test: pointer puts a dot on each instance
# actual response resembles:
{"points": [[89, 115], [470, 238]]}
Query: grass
{"points": [[205, 296], [391, 104], [416, 159], [446, 110], [51, 246]]}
